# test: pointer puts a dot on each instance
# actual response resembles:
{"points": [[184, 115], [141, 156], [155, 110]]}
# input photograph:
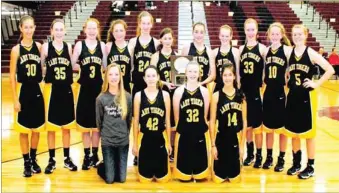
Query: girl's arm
{"points": [[168, 120], [136, 122], [12, 76]]}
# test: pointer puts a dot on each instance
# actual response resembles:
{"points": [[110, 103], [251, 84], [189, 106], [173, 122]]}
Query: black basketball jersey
{"points": [[28, 64], [192, 113], [164, 66], [251, 67], [152, 114], [203, 60], [299, 69], [221, 59], [90, 62], [275, 68], [229, 113], [142, 58], [122, 57], [58, 65]]}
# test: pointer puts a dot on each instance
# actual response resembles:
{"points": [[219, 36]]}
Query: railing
{"points": [[10, 23], [70, 18]]}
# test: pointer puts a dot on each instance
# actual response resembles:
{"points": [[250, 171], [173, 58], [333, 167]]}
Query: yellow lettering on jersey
{"points": [[52, 62], [225, 108], [254, 56], [164, 65], [145, 111], [85, 61], [229, 106], [198, 102], [303, 67], [250, 55], [201, 60], [63, 61], [34, 57], [96, 60], [124, 58], [23, 58], [158, 111], [235, 105], [223, 61], [185, 103], [275, 60], [143, 54]]}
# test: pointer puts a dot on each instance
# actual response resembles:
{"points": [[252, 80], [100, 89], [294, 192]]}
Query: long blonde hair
{"points": [[98, 26], [120, 99], [285, 39], [140, 16], [110, 37]]}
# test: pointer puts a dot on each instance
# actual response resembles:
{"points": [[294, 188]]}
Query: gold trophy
{"points": [[178, 66]]}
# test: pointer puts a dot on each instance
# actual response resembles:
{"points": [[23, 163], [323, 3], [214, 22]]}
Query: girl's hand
{"points": [[169, 150], [17, 106], [215, 153], [135, 150], [310, 84], [170, 85]]}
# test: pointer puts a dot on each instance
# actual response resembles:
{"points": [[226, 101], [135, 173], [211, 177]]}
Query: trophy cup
{"points": [[178, 66]]}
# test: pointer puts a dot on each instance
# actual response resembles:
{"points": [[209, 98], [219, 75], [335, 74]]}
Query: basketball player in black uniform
{"points": [[25, 76], [118, 52], [151, 143], [302, 100], [89, 57], [251, 72], [58, 93], [191, 103], [141, 48], [274, 96], [162, 60], [225, 54], [229, 108], [202, 54]]}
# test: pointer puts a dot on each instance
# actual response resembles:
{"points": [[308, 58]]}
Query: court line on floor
{"points": [[43, 152]]}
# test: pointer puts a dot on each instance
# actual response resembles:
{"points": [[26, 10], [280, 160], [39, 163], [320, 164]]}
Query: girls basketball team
{"points": [[212, 121]]}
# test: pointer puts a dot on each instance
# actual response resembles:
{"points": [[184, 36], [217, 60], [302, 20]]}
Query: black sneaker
{"points": [[258, 161], [135, 161], [280, 165], [296, 164], [27, 169], [86, 165], [94, 161], [294, 169], [70, 165], [249, 160], [35, 167], [50, 167], [268, 163], [307, 172]]}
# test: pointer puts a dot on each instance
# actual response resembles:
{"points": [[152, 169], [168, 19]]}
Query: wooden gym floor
{"points": [[326, 178]]}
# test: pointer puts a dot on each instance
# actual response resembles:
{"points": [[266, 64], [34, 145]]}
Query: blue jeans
{"points": [[115, 161]]}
